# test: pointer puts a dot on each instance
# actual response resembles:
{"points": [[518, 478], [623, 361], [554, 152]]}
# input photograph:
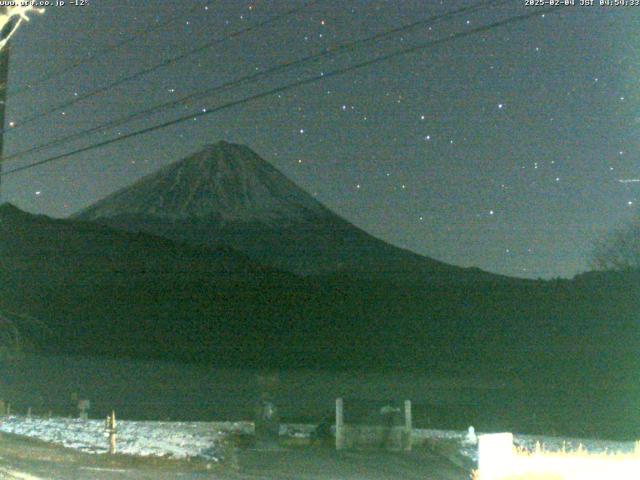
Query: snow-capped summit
{"points": [[225, 194], [223, 182]]}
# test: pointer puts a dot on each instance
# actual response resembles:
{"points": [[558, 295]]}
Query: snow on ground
{"points": [[528, 442], [202, 439], [163, 439]]}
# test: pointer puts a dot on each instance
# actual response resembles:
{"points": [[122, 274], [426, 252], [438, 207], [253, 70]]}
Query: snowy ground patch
{"points": [[528, 442], [161, 439], [203, 439]]}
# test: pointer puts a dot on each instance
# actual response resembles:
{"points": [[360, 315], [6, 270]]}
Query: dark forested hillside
{"points": [[102, 291]]}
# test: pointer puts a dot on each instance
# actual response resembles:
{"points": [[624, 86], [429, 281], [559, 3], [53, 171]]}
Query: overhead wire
{"points": [[164, 63], [103, 51], [255, 76], [288, 86]]}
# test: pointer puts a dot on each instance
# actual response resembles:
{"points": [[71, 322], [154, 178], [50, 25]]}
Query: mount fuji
{"points": [[227, 195]]}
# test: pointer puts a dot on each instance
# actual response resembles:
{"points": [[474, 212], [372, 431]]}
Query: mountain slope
{"points": [[227, 195], [105, 291], [224, 183], [90, 289]]}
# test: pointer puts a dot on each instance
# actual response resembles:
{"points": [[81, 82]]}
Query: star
{"points": [[507, 150]]}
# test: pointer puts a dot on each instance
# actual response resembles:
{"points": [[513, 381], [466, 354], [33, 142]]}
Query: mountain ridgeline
{"points": [[101, 291], [219, 258], [227, 195]]}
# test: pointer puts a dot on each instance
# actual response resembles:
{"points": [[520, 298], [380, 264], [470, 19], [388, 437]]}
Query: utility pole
{"points": [[4, 81], [4, 76]]}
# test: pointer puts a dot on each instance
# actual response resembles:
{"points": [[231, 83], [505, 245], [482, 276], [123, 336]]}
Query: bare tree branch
{"points": [[619, 250]]}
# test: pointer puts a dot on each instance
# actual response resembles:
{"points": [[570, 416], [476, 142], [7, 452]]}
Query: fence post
{"points": [[408, 425], [83, 409], [495, 455], [339, 424], [111, 431]]}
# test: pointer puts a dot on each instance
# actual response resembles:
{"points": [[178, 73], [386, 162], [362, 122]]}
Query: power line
{"points": [[157, 66], [255, 76], [286, 87], [103, 51]]}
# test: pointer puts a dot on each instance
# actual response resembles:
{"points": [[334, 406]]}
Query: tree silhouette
{"points": [[618, 250]]}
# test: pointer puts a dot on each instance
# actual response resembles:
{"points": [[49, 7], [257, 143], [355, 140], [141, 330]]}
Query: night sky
{"points": [[510, 150]]}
